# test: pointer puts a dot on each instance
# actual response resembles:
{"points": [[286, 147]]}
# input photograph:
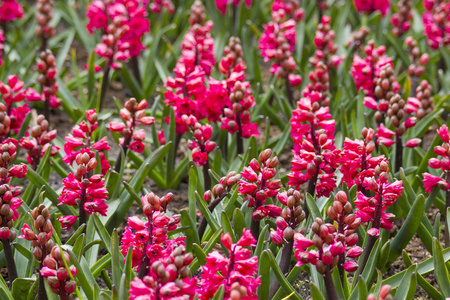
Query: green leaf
{"points": [[264, 272], [191, 232], [440, 269], [206, 213], [407, 284], [220, 293], [407, 230], [38, 181], [268, 256], [21, 287], [200, 254], [226, 225], [136, 182], [313, 208], [260, 244], [78, 246], [101, 230], [238, 222], [316, 294], [76, 234], [192, 188], [116, 259]]}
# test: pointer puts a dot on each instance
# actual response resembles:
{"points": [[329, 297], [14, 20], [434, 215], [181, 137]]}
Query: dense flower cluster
{"points": [[13, 92], [422, 104], [80, 141], [401, 20], [287, 9], [39, 142], [325, 47], [132, 114], [9, 201], [417, 67], [258, 184], [187, 92], [365, 70], [123, 24], [357, 161], [47, 78], [357, 38], [314, 150], [58, 278], [157, 6], [149, 240], [44, 15], [385, 93], [84, 189], [237, 118], [372, 5], [437, 23], [277, 43], [42, 241], [223, 4], [291, 217], [237, 272], [10, 10], [168, 278], [373, 209], [443, 163], [201, 146], [332, 244]]}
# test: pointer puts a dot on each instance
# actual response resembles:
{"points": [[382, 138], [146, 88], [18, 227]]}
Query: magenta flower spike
{"points": [[149, 240], [157, 6], [258, 184], [10, 10], [370, 6], [436, 20], [40, 142], [315, 156], [238, 272]]}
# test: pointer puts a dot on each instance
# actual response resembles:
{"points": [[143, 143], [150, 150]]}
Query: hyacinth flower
{"points": [[149, 240], [366, 70], [289, 9], [168, 278], [330, 245], [39, 142], [41, 242], [44, 14], [201, 145], [373, 208], [157, 6], [277, 44], [237, 273], [357, 39], [214, 196], [402, 19], [396, 113], [10, 10], [325, 59], [315, 156], [237, 118], [47, 79], [81, 141], [84, 189], [369, 6], [417, 68], [187, 91], [258, 184], [385, 294], [232, 96], [132, 115], [436, 20], [123, 23], [442, 163], [223, 4], [60, 275], [357, 161], [14, 92], [287, 224], [9, 201]]}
